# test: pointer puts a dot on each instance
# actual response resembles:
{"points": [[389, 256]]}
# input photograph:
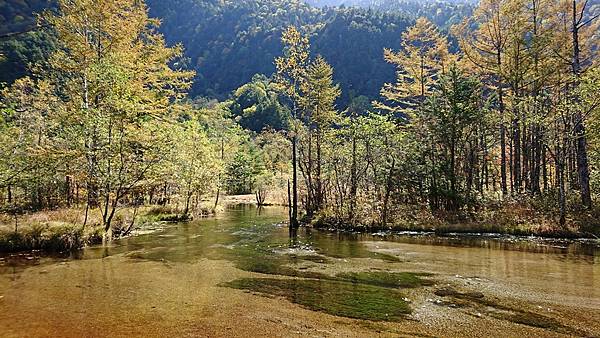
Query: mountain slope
{"points": [[229, 41]]}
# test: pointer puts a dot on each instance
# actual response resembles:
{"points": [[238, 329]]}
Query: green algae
{"points": [[260, 259], [341, 299], [535, 320], [312, 258], [386, 279]]}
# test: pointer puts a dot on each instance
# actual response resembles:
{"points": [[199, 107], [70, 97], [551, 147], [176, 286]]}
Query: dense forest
{"points": [[442, 13], [501, 131], [228, 42]]}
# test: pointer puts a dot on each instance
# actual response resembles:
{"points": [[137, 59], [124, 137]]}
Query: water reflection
{"points": [[246, 225]]}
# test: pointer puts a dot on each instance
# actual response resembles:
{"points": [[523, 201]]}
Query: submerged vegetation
{"points": [[335, 298], [386, 279]]}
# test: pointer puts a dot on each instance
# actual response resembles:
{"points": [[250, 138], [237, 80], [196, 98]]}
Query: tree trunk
{"points": [[294, 219], [353, 181], [583, 169], [290, 214], [517, 182]]}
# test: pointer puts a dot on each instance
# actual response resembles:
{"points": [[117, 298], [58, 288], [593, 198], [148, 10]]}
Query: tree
{"points": [[29, 152], [581, 49], [256, 106], [244, 169], [423, 58], [291, 73], [484, 49], [113, 71], [196, 162], [318, 111], [452, 116]]}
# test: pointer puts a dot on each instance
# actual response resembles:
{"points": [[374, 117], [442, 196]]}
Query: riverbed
{"points": [[242, 275]]}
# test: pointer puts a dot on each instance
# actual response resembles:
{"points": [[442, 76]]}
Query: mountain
{"points": [[229, 41], [18, 15]]}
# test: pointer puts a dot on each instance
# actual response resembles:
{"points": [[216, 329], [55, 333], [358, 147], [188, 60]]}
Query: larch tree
{"points": [[423, 58], [576, 45], [113, 70], [318, 106], [290, 76], [483, 41]]}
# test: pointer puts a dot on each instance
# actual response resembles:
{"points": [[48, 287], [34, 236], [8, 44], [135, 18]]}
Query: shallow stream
{"points": [[242, 274]]}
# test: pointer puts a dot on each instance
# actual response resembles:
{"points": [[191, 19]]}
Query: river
{"points": [[241, 275]]}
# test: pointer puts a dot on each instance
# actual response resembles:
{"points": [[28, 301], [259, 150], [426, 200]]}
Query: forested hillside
{"points": [[443, 13], [18, 15], [227, 42]]}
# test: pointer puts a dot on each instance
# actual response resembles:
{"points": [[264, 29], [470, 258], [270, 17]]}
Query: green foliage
{"points": [[19, 53], [18, 16], [256, 106], [452, 120], [196, 163], [444, 13], [227, 42], [243, 170]]}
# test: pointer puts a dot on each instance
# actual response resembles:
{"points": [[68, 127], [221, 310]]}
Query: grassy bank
{"points": [[64, 229], [510, 218]]}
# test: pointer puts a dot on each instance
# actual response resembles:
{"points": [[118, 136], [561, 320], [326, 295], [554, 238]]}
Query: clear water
{"points": [[186, 264]]}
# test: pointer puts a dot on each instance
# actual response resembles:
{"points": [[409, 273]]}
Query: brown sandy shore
{"points": [[119, 296]]}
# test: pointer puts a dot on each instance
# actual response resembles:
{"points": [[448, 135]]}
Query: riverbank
{"points": [[64, 230], [516, 219], [68, 229]]}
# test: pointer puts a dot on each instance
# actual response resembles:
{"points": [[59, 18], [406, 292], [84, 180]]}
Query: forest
{"points": [[228, 42], [489, 125]]}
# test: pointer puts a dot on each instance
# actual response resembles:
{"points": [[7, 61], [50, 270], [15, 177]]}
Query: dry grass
{"points": [[63, 229], [511, 217]]}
